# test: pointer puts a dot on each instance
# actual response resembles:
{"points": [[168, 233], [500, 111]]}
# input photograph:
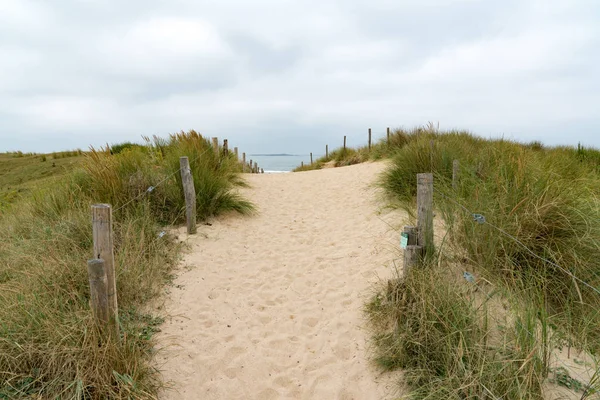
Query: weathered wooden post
{"points": [[235, 151], [369, 139], [326, 151], [262, 171], [251, 166], [425, 212], [455, 171], [98, 291], [344, 142], [301, 164], [311, 160], [255, 167], [190, 194], [412, 257], [225, 147], [388, 135], [102, 234], [243, 162], [215, 144]]}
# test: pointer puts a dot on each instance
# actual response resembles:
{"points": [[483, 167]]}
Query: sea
{"points": [[278, 163]]}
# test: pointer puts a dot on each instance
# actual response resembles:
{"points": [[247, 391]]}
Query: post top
{"points": [[101, 205]]}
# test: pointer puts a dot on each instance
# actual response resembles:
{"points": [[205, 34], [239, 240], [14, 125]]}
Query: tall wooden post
{"points": [[190, 194], [98, 291], [369, 139], [311, 161], [301, 164], [235, 151], [455, 171], [225, 147], [243, 162], [102, 234], [425, 212], [262, 171], [388, 135], [215, 144], [344, 142], [255, 167], [326, 151]]}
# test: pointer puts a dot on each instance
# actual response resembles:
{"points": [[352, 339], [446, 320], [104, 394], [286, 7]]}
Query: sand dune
{"points": [[269, 306]]}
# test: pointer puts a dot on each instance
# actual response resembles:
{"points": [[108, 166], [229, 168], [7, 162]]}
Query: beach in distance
{"points": [[277, 163]]}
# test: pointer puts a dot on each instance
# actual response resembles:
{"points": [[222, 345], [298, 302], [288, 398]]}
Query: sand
{"points": [[270, 306]]}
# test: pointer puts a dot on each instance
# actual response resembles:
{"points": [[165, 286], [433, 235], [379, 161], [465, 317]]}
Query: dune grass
{"points": [[49, 345], [548, 199]]}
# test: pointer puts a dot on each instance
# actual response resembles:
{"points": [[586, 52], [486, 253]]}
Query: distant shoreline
{"points": [[275, 155]]}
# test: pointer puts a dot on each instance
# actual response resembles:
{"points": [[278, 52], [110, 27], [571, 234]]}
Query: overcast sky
{"points": [[291, 76]]}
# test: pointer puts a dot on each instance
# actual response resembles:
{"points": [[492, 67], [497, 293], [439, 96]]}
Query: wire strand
{"points": [[531, 252], [151, 188]]}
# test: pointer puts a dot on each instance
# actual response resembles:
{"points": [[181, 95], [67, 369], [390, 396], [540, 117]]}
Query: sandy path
{"points": [[269, 307]]}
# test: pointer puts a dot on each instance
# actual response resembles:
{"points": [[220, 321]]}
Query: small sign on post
{"points": [[404, 240]]}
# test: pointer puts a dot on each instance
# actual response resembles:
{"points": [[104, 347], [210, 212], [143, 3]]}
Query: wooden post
{"points": [[425, 212], [102, 234], [190, 194], [98, 291], [262, 171], [369, 139], [344, 142], [326, 151], [301, 164], [251, 166], [388, 135], [243, 162], [215, 143], [311, 161], [235, 151], [225, 147], [255, 167], [412, 256], [455, 171]]}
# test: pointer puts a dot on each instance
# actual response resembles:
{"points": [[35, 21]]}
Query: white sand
{"points": [[269, 307]]}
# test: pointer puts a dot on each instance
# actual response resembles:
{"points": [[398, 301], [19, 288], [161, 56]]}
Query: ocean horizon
{"points": [[278, 163]]}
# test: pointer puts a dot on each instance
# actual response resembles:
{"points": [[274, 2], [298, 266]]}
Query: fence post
{"points": [[301, 164], [215, 144], [225, 147], [311, 161], [98, 291], [455, 171], [103, 249], [388, 135], [243, 162], [190, 194], [255, 167], [369, 139], [412, 256], [425, 212], [344, 142], [235, 151], [326, 151], [262, 171]]}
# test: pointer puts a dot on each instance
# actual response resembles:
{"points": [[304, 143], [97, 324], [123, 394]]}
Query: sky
{"points": [[292, 76]]}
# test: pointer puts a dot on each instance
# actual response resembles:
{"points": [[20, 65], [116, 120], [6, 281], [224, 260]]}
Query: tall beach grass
{"points": [[49, 345], [546, 198]]}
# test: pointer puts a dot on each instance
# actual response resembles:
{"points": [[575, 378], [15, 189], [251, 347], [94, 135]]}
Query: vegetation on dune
{"points": [[20, 174], [49, 345], [495, 339]]}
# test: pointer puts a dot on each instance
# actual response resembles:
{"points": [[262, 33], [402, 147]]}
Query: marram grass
{"points": [[49, 344]]}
